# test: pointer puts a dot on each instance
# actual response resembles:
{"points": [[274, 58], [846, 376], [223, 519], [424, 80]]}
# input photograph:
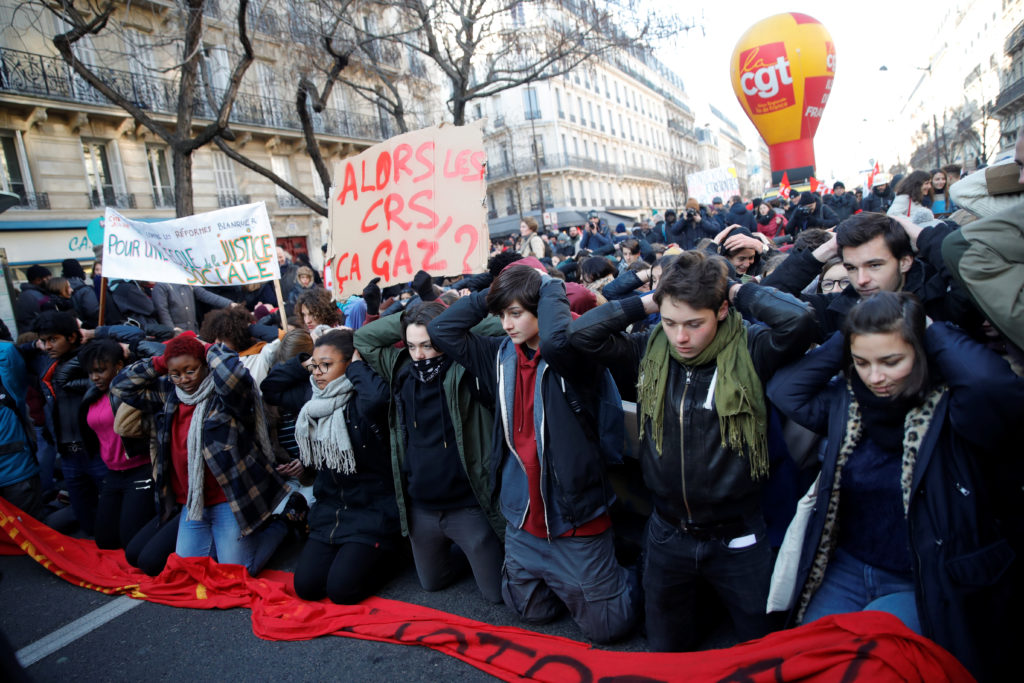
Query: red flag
{"points": [[871, 175], [814, 184], [784, 188]]}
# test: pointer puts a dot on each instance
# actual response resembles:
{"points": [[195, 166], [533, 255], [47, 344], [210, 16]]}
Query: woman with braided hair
{"points": [[905, 519]]}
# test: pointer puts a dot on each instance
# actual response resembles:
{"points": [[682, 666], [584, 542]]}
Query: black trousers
{"points": [[125, 505], [345, 573], [152, 545]]}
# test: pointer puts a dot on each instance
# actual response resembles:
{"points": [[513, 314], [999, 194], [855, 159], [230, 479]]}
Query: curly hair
{"points": [[229, 325], [321, 306]]}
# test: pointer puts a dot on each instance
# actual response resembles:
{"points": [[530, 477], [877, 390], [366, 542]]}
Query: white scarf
{"points": [[320, 429], [200, 399]]}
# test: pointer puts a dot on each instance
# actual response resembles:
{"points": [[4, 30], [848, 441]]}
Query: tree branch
{"points": [[270, 175]]}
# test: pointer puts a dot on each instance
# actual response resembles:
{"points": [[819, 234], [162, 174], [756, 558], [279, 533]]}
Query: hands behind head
{"points": [[737, 242], [721, 235]]}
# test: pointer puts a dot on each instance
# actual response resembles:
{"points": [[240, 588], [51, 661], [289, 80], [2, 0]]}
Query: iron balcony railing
{"points": [[31, 200], [286, 201], [26, 73], [1010, 95], [556, 162], [226, 199], [108, 196]]}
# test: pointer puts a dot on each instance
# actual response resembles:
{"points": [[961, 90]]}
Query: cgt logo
{"points": [[766, 79]]}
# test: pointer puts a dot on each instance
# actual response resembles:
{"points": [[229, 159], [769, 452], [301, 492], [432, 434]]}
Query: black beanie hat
{"points": [[808, 198]]}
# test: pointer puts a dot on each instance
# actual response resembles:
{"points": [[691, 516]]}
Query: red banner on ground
{"points": [[866, 646]]}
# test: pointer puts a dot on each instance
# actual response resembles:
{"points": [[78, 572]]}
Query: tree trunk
{"points": [[458, 111], [181, 162]]}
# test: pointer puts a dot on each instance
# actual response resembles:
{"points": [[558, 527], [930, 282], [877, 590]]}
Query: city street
{"points": [[157, 642]]}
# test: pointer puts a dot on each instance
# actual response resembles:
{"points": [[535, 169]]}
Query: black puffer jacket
{"points": [[349, 508], [696, 478]]}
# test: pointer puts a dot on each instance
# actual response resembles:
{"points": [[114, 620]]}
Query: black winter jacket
{"points": [[349, 508], [966, 574], [800, 220], [738, 215], [844, 206], [879, 202], [28, 305], [696, 478], [83, 299], [686, 232]]}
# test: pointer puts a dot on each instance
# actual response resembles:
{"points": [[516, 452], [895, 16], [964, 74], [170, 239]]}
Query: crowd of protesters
{"points": [[866, 351]]}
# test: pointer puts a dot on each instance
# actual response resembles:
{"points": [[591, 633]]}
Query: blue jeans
{"points": [[217, 535], [674, 561], [83, 477], [853, 586]]}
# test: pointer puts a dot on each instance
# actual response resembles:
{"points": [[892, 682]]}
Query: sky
{"points": [[857, 123]]}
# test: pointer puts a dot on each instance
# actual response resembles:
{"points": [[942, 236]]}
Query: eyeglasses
{"points": [[320, 368], [187, 375], [829, 285]]}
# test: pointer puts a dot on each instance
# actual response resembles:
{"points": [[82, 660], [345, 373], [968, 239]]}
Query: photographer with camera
{"points": [[691, 228], [810, 213]]}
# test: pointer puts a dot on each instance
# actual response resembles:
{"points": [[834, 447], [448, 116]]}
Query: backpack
{"points": [[610, 419]]}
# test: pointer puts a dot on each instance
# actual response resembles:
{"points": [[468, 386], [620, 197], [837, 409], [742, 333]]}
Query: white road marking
{"points": [[65, 635]]}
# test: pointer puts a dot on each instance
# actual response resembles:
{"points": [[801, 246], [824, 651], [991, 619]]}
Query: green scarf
{"points": [[739, 396]]}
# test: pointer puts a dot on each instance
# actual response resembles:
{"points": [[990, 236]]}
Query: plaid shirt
{"points": [[247, 476]]}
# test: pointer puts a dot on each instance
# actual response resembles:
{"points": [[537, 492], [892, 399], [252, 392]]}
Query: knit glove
{"points": [[424, 286], [371, 295]]}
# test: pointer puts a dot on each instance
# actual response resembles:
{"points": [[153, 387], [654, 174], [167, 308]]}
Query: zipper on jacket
{"points": [[337, 522], [682, 443], [540, 448], [503, 407]]}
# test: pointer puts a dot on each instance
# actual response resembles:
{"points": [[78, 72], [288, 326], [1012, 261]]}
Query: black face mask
{"points": [[880, 191], [429, 369]]}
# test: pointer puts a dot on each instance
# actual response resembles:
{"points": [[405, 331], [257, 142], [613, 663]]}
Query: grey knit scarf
{"points": [[200, 399], [320, 429]]}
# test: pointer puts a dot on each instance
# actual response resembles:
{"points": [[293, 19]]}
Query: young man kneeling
{"points": [[547, 464], [701, 375]]}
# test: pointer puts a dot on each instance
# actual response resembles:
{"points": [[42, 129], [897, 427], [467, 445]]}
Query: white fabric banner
{"points": [[233, 246], [716, 182]]}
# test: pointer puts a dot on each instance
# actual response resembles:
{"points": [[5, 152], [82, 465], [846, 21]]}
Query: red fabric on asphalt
{"points": [[866, 646]]}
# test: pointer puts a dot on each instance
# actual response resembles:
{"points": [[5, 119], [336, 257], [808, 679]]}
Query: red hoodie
{"points": [[524, 438]]}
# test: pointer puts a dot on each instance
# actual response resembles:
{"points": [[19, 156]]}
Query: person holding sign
{"points": [[440, 446], [213, 454], [547, 458]]}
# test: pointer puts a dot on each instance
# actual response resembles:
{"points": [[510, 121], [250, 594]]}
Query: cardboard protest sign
{"points": [[233, 246], [414, 202], [716, 182]]}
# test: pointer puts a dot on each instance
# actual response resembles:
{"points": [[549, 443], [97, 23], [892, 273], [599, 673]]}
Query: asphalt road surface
{"points": [[121, 639]]}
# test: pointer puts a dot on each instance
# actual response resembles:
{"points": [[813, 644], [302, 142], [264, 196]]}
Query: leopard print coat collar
{"points": [[916, 425]]}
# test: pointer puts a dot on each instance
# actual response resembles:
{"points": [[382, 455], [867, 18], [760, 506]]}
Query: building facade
{"points": [[965, 106], [68, 153]]}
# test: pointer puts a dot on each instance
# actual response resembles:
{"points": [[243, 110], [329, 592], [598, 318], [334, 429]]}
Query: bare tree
{"points": [[483, 47], [325, 51]]}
